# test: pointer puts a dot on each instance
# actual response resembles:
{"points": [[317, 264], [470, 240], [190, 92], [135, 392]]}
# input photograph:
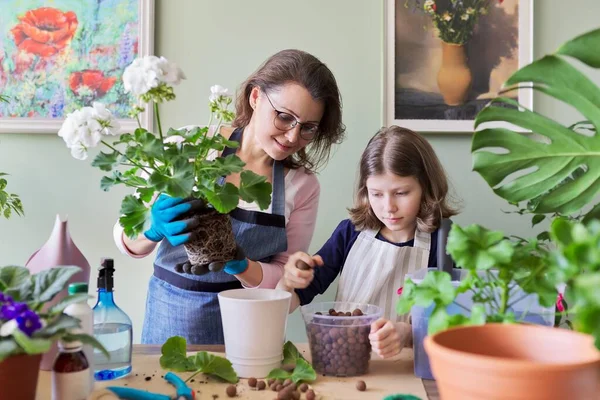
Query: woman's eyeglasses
{"points": [[285, 122]]}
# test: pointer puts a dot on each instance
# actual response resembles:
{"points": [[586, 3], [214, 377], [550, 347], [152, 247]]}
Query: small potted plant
{"points": [[9, 202], [555, 171], [28, 328], [177, 162]]}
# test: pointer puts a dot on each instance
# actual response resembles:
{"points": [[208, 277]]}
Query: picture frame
{"points": [[47, 73], [413, 54]]}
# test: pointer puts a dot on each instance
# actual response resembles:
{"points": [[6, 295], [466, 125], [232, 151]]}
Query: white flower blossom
{"points": [[175, 139], [8, 328], [470, 11], [148, 72], [217, 91], [84, 128], [464, 17], [447, 16]]}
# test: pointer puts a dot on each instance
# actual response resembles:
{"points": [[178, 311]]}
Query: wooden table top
{"points": [[384, 378]]}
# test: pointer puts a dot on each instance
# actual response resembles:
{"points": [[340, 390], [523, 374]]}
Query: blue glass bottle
{"points": [[112, 328]]}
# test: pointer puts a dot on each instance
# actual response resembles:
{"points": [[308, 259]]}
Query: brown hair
{"points": [[296, 66], [404, 153]]}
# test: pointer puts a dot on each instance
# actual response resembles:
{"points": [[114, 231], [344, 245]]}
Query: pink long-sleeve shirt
{"points": [[302, 192]]}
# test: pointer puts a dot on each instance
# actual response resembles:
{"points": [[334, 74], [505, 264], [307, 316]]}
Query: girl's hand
{"points": [[385, 339], [296, 278]]}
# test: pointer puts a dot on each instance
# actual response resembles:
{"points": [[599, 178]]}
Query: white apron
{"points": [[374, 270]]}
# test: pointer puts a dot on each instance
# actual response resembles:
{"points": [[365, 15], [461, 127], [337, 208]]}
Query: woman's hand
{"points": [[385, 339], [296, 278]]}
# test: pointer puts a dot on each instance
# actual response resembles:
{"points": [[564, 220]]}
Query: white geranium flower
{"points": [[84, 128], [147, 72], [79, 151], [170, 72], [8, 328], [464, 17], [175, 139], [216, 91]]}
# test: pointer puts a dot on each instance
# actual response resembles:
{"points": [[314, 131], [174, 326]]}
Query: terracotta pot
{"points": [[514, 361], [454, 77], [19, 376], [213, 240]]}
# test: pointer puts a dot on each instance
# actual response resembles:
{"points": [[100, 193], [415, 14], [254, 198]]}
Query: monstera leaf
{"points": [[549, 160]]}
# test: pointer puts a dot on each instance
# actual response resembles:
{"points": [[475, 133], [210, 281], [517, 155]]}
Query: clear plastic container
{"points": [[339, 345], [536, 314]]}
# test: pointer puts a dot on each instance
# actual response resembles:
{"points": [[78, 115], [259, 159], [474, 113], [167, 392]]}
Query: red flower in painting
{"points": [[44, 31], [90, 82]]}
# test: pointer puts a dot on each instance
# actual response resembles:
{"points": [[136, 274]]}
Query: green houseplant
{"points": [[176, 162], [9, 202], [28, 327], [554, 171]]}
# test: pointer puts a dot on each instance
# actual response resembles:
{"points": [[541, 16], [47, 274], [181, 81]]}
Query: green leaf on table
{"points": [[255, 188], [291, 354], [134, 215], [106, 161], [174, 356], [224, 199], [303, 372], [279, 373], [31, 345], [214, 365], [50, 282]]}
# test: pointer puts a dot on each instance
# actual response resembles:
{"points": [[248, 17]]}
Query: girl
{"points": [[288, 116], [392, 230]]}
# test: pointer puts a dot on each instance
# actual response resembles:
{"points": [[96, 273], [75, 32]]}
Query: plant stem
{"points": [[193, 375], [130, 160], [503, 297], [461, 306], [158, 122]]}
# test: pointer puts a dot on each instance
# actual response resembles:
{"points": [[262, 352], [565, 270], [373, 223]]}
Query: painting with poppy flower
{"points": [[446, 59], [56, 57]]}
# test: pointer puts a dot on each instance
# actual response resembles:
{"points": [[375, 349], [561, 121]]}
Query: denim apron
{"points": [[180, 304]]}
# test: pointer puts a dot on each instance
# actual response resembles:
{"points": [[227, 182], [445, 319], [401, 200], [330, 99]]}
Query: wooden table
{"points": [[384, 378]]}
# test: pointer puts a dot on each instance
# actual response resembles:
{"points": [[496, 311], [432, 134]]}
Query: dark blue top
{"points": [[334, 253]]}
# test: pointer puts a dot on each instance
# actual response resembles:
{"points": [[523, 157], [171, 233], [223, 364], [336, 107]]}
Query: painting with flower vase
{"points": [[57, 57], [446, 59]]}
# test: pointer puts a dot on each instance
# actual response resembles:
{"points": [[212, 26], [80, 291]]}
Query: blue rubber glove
{"points": [[167, 223]]}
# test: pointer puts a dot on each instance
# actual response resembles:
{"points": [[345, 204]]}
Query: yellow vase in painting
{"points": [[454, 77]]}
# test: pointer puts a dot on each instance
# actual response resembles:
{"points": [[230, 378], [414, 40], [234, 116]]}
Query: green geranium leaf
{"points": [[478, 315], [174, 358], [174, 355], [279, 373], [303, 372], [224, 199], [438, 321], [291, 354], [214, 365], [151, 146], [134, 216], [50, 282], [228, 165], [179, 184], [106, 161], [146, 194], [254, 187], [475, 247]]}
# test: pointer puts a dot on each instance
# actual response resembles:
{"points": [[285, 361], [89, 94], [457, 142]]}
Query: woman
{"points": [[288, 116]]}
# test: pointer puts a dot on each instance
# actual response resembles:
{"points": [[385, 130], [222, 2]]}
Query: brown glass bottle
{"points": [[70, 373]]}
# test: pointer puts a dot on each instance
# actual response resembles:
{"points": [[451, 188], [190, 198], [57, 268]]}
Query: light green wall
{"points": [[222, 42]]}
